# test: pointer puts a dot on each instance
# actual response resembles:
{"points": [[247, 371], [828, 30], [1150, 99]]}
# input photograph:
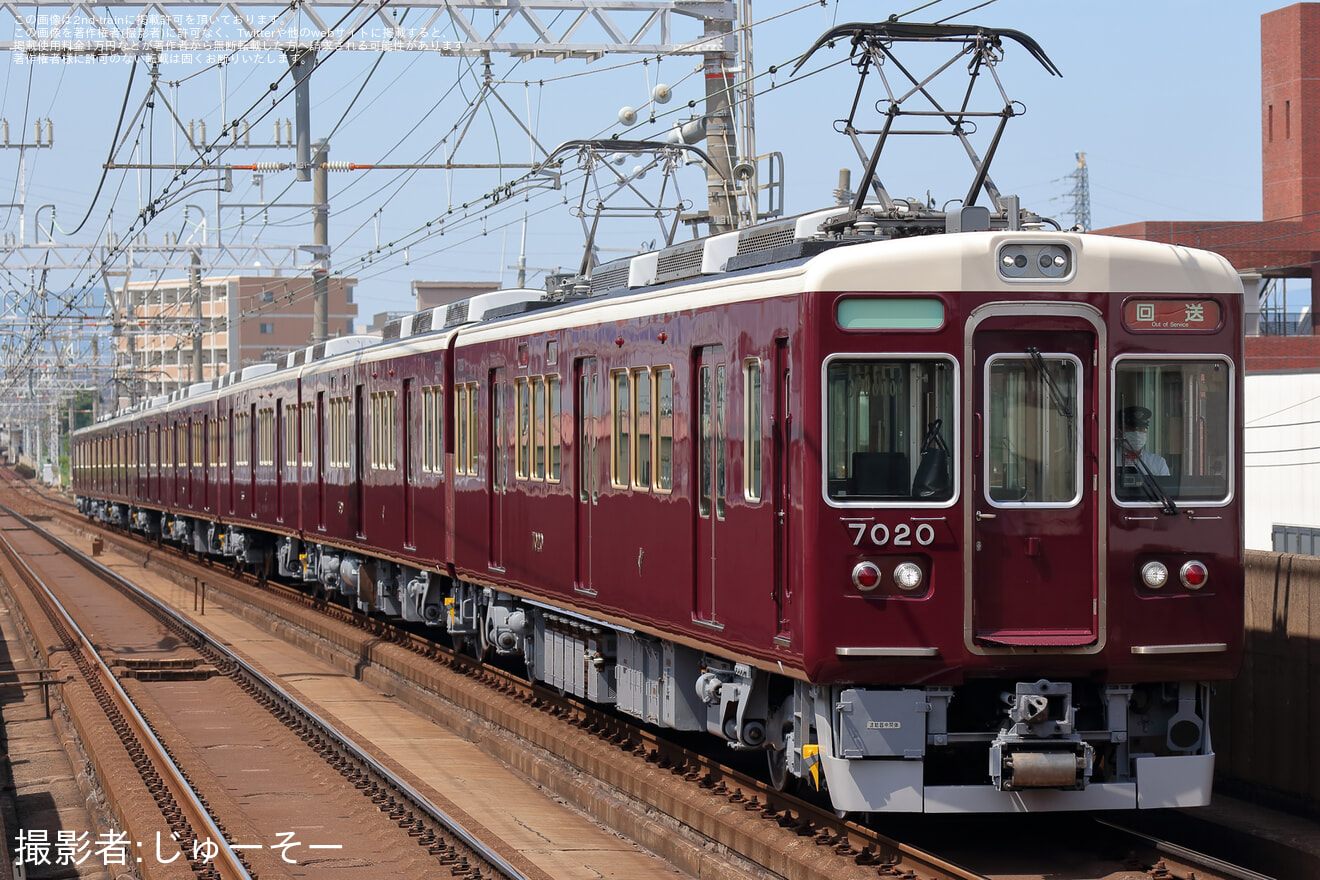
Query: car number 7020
{"points": [[902, 535]]}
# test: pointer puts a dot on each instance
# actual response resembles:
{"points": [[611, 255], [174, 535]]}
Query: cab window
{"points": [[889, 430]]}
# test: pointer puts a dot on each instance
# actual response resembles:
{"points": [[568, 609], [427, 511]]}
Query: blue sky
{"points": [[1164, 98]]}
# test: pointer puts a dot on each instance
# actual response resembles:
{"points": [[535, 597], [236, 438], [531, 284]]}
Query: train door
{"points": [[356, 521], [233, 454], [320, 460], [252, 434], [587, 472], [406, 421], [280, 427], [207, 462], [709, 431], [499, 465], [779, 470], [1033, 513]]}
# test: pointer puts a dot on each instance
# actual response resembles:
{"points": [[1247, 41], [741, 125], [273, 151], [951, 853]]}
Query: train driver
{"points": [[1134, 422]]}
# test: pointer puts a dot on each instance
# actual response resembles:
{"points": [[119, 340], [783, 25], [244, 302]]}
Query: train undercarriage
{"points": [[982, 746]]}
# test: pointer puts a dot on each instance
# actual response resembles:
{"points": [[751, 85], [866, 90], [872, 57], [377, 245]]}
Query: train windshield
{"points": [[1171, 428], [890, 430]]}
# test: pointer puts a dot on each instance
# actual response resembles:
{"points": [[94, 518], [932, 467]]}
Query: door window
{"points": [[1033, 434]]}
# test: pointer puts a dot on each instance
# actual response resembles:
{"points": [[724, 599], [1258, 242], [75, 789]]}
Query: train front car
{"points": [[1022, 540]]}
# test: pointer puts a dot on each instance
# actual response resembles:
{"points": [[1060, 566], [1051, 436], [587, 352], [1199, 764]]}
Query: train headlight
{"points": [[1194, 575], [866, 576], [1154, 575], [907, 575]]}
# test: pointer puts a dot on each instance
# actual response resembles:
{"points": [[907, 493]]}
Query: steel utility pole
{"points": [[321, 243], [721, 143]]}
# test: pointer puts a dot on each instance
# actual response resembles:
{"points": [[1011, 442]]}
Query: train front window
{"points": [[890, 430], [1033, 429], [1171, 430]]}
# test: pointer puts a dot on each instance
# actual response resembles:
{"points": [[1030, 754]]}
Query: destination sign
{"points": [[1171, 314]]}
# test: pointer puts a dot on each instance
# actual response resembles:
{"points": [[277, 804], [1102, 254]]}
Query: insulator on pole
{"points": [[277, 132]]}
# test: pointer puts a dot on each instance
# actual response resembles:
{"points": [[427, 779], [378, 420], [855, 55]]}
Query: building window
{"points": [[268, 296], [267, 327]]}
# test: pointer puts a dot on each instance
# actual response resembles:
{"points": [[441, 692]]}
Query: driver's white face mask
{"points": [[1134, 440]]}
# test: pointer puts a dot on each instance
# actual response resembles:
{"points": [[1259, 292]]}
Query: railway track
{"points": [[768, 823], [206, 827]]}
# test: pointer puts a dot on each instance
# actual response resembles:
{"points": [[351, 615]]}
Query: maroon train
{"points": [[848, 497]]}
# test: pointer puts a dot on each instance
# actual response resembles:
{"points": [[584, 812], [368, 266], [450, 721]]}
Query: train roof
{"points": [[835, 249]]}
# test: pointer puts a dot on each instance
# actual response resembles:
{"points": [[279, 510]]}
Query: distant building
{"points": [[1282, 386], [430, 294], [243, 320], [380, 319]]}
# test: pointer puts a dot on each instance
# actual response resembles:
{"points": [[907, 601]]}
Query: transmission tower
{"points": [[1081, 195]]}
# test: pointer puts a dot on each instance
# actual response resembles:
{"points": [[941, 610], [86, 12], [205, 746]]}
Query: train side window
{"points": [[266, 436], [553, 426], [523, 402], [432, 429], [339, 433], [465, 447], [308, 433], [291, 435], [1171, 426], [752, 429], [461, 422], [473, 434], [382, 430], [879, 413], [642, 450], [664, 447], [622, 434], [241, 439], [538, 428]]}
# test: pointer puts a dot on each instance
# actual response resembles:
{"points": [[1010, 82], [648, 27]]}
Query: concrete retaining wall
{"points": [[1266, 724]]}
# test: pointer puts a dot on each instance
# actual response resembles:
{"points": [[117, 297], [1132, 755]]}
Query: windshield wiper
{"points": [[1150, 483], [1061, 403]]}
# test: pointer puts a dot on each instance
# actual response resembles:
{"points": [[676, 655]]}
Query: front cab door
{"points": [[1035, 547]]}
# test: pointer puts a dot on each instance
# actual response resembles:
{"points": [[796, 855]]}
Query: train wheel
{"points": [[778, 763]]}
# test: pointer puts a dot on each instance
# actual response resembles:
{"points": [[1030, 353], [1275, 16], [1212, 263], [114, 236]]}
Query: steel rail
{"points": [[323, 727], [227, 862], [1193, 859]]}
